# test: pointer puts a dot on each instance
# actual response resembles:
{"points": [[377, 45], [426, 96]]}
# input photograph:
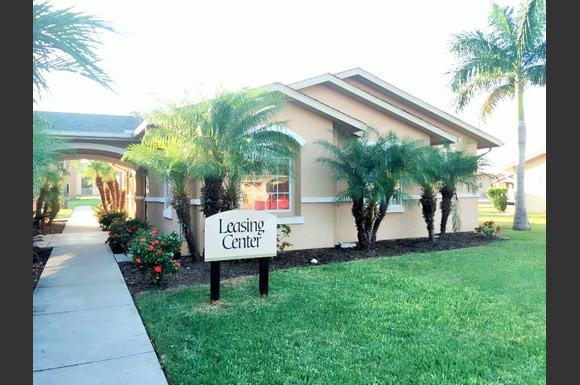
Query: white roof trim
{"points": [[285, 130], [315, 104], [418, 102], [387, 107], [140, 127], [95, 147], [91, 134]]}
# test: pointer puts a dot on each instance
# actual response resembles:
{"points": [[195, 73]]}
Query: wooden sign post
{"points": [[239, 234]]}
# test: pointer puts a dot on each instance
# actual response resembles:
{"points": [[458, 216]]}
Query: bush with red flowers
{"points": [[153, 254], [122, 232]]}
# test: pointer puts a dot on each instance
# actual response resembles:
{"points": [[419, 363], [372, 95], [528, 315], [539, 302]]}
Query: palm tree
{"points": [[64, 40], [504, 61], [424, 172], [236, 134], [455, 167], [372, 172], [101, 172], [168, 153], [45, 152]]}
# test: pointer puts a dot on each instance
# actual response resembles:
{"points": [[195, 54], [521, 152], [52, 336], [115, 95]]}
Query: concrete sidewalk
{"points": [[86, 329]]}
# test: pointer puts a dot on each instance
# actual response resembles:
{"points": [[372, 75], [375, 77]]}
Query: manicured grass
{"points": [[471, 316], [72, 203]]}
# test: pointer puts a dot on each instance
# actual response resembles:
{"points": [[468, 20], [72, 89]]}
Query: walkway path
{"points": [[86, 329]]}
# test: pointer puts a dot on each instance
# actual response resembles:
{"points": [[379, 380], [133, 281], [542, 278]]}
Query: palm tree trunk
{"points": [[231, 193], [181, 204], [521, 215], [212, 193], [429, 207], [358, 212], [101, 188], [446, 206], [382, 211]]}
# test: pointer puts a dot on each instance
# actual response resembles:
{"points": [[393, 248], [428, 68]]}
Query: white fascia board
{"points": [[90, 134], [419, 103], [386, 107], [316, 105], [155, 199], [140, 128]]}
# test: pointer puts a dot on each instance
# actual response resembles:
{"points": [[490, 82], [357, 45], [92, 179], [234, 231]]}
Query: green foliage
{"points": [[97, 168], [372, 171], [155, 253], [466, 316], [509, 57], [46, 151], [281, 235], [122, 232], [498, 196], [489, 228], [106, 219], [64, 40]]}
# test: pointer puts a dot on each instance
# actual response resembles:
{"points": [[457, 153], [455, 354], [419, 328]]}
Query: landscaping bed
{"points": [[57, 227], [198, 272], [38, 266]]}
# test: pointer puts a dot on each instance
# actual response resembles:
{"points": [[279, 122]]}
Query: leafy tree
{"points": [[236, 134], [167, 152], [372, 171], [455, 167], [504, 62]]}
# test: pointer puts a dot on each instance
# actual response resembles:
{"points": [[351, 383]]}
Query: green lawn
{"points": [[72, 203], [471, 316]]}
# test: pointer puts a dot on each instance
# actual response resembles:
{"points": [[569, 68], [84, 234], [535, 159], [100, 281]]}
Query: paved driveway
{"points": [[86, 329]]}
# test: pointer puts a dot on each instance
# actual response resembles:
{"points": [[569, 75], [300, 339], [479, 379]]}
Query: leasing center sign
{"points": [[239, 234]]}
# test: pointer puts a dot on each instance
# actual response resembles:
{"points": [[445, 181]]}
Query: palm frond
{"points": [[495, 97], [65, 40]]}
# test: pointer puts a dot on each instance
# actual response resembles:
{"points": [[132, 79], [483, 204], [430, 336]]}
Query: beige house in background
{"points": [[534, 181], [301, 192]]}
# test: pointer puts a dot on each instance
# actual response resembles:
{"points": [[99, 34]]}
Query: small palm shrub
{"points": [[154, 254], [489, 228], [498, 196]]}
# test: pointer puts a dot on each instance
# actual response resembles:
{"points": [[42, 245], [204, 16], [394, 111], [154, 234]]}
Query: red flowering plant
{"points": [[151, 253], [122, 233]]}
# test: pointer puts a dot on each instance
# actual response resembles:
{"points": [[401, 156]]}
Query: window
{"points": [[167, 213], [397, 199], [270, 191]]}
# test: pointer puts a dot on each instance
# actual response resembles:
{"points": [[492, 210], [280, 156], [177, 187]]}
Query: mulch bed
{"points": [[38, 266], [198, 272], [57, 227]]}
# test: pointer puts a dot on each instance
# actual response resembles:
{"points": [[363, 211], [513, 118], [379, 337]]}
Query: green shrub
{"points": [[489, 228], [107, 218], [498, 196], [154, 253], [283, 233], [121, 233]]}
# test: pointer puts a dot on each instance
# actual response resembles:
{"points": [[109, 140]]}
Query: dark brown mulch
{"points": [[198, 272], [38, 266], [57, 227]]}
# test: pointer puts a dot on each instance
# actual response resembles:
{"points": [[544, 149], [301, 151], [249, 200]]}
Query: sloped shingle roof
{"points": [[70, 123]]}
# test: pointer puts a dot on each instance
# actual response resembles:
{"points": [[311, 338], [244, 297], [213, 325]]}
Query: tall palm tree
{"points": [[65, 40], [168, 153], [424, 172], [503, 62], [237, 134], [454, 167], [372, 171]]}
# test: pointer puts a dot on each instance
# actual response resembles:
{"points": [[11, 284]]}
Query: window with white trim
{"points": [[270, 191], [396, 202]]}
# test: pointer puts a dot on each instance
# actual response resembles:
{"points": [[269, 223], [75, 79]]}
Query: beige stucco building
{"points": [[301, 193], [534, 181]]}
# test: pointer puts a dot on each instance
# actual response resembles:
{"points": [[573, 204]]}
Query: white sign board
{"points": [[239, 234]]}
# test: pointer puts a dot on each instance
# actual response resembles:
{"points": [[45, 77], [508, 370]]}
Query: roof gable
{"points": [[483, 139]]}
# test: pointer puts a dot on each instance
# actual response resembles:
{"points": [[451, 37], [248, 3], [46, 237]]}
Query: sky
{"points": [[171, 51]]}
